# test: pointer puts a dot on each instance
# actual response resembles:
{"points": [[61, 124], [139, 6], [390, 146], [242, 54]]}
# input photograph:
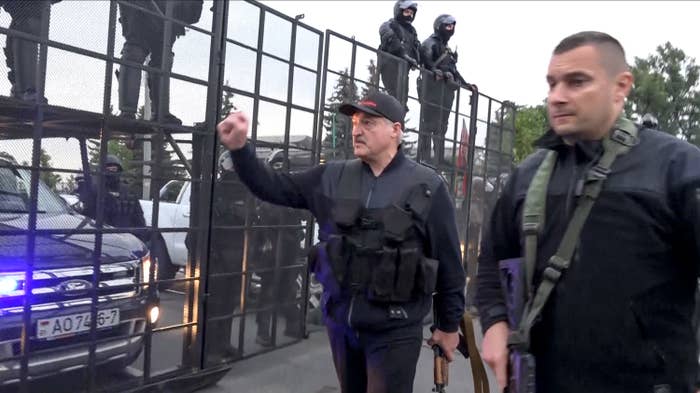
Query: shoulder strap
{"points": [[350, 182], [533, 213], [619, 142]]}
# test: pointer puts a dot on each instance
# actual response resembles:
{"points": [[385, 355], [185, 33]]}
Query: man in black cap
{"points": [[398, 37], [388, 241]]}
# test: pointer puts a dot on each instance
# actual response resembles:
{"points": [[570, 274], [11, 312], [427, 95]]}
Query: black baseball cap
{"points": [[377, 104]]}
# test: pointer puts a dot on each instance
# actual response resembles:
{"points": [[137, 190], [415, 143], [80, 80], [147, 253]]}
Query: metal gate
{"points": [[164, 280]]}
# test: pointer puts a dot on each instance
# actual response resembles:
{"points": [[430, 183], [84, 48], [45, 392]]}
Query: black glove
{"points": [[412, 63]]}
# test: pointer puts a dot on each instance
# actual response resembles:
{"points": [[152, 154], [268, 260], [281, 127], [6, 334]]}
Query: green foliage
{"points": [[337, 143], [667, 86], [50, 178], [530, 124]]}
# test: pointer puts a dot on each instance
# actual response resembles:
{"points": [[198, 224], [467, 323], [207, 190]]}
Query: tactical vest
{"points": [[618, 142], [379, 252]]}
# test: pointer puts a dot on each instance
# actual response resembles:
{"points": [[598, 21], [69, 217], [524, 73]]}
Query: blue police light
{"points": [[8, 285]]}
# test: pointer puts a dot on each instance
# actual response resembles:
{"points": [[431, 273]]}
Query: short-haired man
{"points": [[388, 240], [619, 296]]}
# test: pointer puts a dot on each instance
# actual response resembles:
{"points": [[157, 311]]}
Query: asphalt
{"points": [[307, 367]]}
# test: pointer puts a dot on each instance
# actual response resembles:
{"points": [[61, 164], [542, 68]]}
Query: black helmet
{"points": [[114, 160], [277, 160], [403, 5], [440, 26], [649, 121]]}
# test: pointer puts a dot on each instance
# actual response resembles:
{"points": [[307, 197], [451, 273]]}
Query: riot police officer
{"points": [[276, 248], [121, 208], [227, 245], [388, 241], [21, 55], [649, 121], [436, 87], [398, 37], [144, 34]]}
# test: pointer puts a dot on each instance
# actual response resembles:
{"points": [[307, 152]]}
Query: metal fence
{"points": [[166, 279]]}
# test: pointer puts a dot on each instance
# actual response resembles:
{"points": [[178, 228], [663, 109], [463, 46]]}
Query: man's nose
{"points": [[356, 130], [557, 95]]}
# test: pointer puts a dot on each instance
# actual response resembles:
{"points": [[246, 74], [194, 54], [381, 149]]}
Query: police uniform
{"points": [[21, 55], [387, 243], [227, 245], [121, 209], [436, 88], [620, 316], [399, 38], [144, 35]]}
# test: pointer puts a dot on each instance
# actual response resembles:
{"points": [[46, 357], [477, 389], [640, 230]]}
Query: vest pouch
{"points": [[426, 278], [338, 251], [381, 285], [409, 258], [397, 222], [345, 212]]}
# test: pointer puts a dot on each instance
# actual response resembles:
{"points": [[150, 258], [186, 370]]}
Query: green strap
{"points": [[620, 140], [533, 213]]}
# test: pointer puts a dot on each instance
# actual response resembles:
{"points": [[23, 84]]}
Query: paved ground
{"points": [[307, 367]]}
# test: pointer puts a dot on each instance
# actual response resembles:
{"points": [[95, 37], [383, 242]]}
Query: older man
{"points": [[388, 240], [607, 217]]}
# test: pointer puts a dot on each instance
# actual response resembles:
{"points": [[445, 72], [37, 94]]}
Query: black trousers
{"points": [[375, 362], [394, 75]]}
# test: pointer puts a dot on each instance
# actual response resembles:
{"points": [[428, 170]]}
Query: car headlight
{"points": [[146, 269]]}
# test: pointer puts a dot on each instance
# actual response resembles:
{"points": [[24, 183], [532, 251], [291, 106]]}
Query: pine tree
{"points": [[337, 144]]}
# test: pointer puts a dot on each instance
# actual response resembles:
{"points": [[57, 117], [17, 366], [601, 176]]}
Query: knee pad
{"points": [[133, 52]]}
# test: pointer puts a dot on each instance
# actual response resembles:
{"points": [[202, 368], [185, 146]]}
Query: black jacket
{"points": [[306, 190], [431, 50], [399, 39], [620, 318]]}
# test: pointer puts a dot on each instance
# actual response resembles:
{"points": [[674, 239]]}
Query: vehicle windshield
{"points": [[14, 193]]}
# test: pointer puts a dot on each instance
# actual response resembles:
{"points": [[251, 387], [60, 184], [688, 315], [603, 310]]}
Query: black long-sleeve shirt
{"points": [[301, 189]]}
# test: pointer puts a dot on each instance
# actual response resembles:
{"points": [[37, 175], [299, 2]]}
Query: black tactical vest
{"points": [[380, 252]]}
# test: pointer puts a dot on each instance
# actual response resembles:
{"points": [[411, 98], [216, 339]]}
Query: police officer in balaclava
{"points": [[436, 87], [398, 37], [276, 248], [121, 208], [227, 245]]}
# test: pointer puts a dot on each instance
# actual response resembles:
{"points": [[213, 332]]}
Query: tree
{"points": [[667, 86], [530, 124], [51, 179], [337, 143], [373, 79]]}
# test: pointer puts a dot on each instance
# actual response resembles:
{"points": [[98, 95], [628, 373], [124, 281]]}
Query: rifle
{"points": [[467, 347], [521, 367]]}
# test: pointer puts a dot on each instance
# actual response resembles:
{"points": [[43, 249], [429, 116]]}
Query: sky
{"points": [[504, 48]]}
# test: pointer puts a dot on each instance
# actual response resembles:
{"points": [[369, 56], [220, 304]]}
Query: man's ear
{"points": [[623, 85], [396, 131]]}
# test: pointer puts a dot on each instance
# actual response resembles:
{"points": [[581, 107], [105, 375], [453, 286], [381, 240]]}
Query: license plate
{"points": [[68, 325]]}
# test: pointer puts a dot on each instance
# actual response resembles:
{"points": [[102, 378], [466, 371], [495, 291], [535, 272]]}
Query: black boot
{"points": [[157, 95], [130, 81], [24, 64]]}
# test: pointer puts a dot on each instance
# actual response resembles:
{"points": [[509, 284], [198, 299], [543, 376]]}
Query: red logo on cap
{"points": [[369, 103]]}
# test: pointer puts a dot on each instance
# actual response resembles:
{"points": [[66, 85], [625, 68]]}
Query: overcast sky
{"points": [[504, 47]]}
